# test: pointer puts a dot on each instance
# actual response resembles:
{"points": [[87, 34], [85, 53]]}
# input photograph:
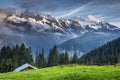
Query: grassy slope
{"points": [[69, 72]]}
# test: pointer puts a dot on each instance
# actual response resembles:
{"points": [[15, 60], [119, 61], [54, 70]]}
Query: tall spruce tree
{"points": [[22, 54], [53, 57], [42, 59], [74, 59], [37, 59], [50, 59], [61, 58], [29, 57], [15, 52], [66, 60]]}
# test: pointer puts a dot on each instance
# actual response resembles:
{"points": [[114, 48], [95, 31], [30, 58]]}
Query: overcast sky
{"points": [[107, 10]]}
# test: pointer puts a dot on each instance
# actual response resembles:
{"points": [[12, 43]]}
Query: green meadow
{"points": [[66, 72]]}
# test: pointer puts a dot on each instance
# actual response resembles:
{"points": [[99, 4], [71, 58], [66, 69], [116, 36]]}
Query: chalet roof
{"points": [[23, 67]]}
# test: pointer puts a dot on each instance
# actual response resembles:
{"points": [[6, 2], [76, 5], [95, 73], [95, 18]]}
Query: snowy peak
{"points": [[101, 26], [36, 30], [42, 21], [25, 20], [107, 25]]}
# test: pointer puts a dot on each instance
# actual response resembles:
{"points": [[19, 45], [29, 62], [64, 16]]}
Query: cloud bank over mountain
{"points": [[89, 18]]}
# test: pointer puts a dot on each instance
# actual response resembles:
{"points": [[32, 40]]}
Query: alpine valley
{"points": [[44, 31]]}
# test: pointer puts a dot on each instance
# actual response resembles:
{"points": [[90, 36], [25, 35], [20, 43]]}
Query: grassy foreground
{"points": [[69, 72]]}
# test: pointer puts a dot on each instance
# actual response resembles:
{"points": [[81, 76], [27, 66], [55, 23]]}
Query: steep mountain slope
{"points": [[44, 31], [37, 31], [106, 54], [87, 42]]}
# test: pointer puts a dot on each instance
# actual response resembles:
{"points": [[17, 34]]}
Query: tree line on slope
{"points": [[54, 58], [105, 55], [11, 58]]}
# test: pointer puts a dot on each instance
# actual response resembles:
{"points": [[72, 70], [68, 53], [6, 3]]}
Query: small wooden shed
{"points": [[24, 67]]}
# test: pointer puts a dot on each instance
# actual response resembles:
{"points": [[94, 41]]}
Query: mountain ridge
{"points": [[35, 30]]}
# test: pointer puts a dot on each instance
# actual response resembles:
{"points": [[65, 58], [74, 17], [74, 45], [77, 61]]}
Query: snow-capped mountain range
{"points": [[44, 31]]}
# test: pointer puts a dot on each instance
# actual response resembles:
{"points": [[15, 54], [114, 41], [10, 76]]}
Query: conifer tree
{"points": [[42, 59], [74, 59], [37, 59], [61, 58], [10, 58], [66, 61], [53, 57]]}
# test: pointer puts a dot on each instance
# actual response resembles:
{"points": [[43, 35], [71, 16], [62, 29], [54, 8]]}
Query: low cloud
{"points": [[2, 17], [89, 18], [6, 31]]}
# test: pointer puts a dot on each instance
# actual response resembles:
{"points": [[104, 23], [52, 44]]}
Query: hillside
{"points": [[70, 72], [87, 42], [106, 54]]}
